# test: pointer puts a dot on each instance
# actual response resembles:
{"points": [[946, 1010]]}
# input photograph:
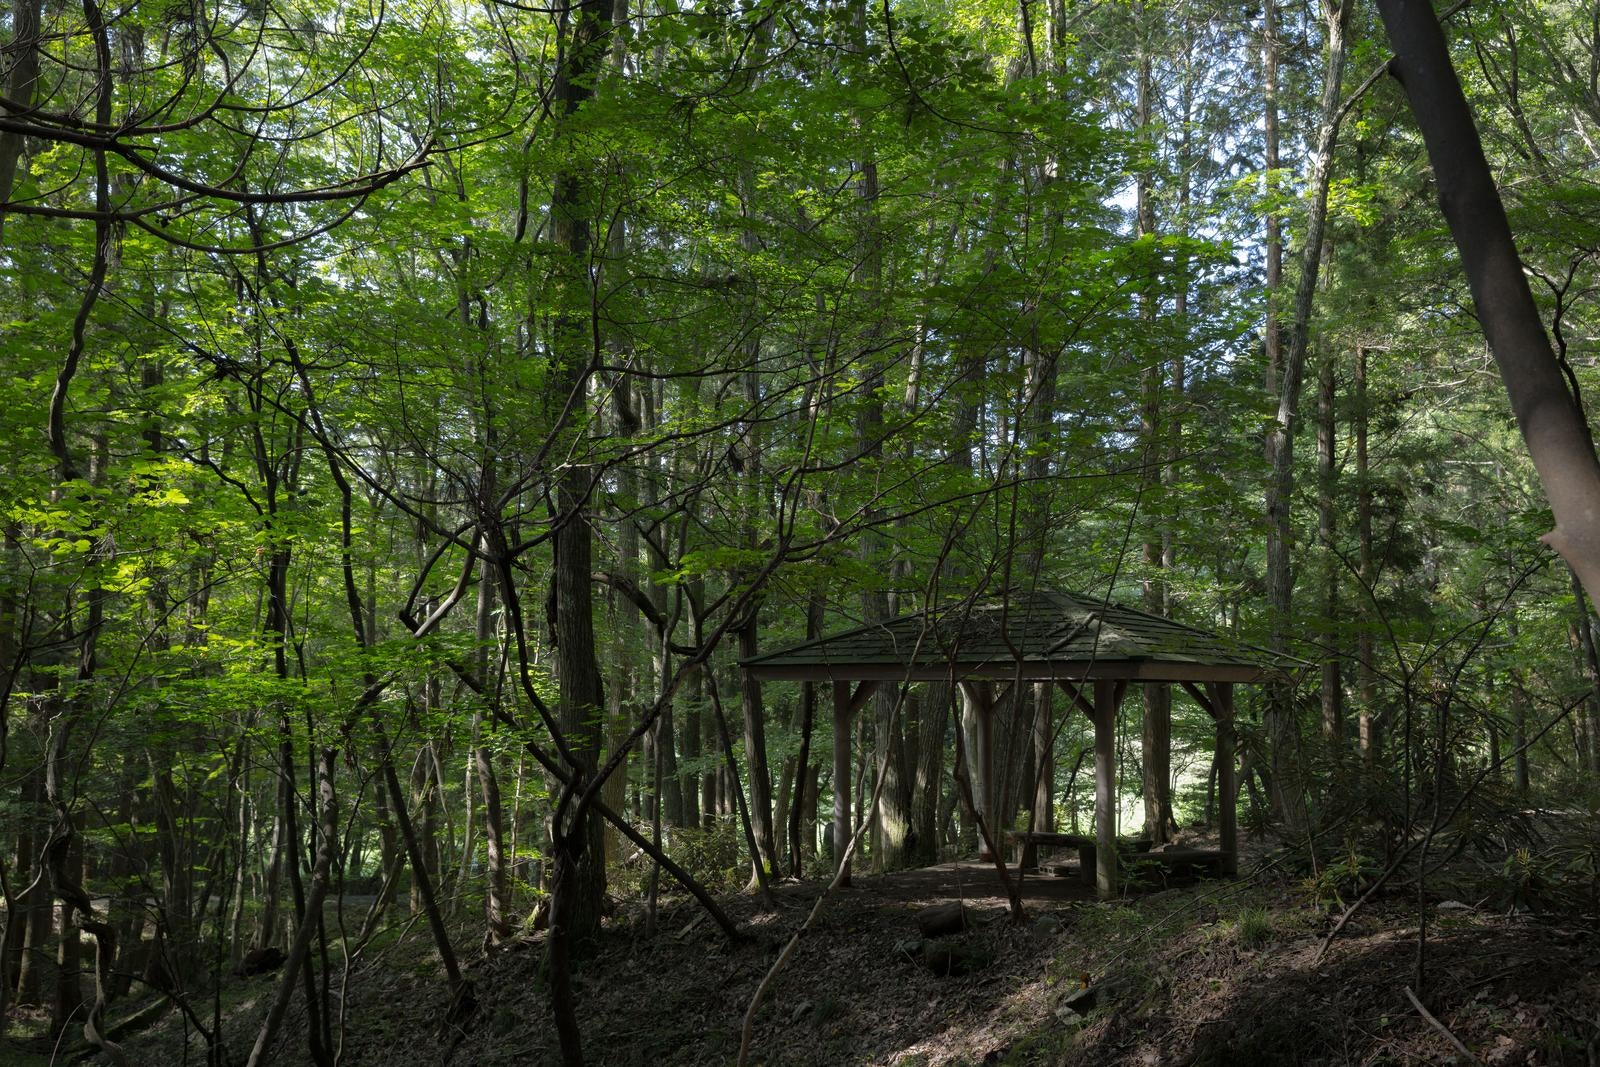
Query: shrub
{"points": [[716, 857], [1254, 928]]}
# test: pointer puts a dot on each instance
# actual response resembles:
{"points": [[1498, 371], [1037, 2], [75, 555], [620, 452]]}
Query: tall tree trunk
{"points": [[752, 482], [1156, 739], [933, 723], [1281, 723], [1552, 424], [755, 745], [892, 825], [267, 932], [22, 59], [1366, 672], [1519, 737], [579, 876], [1272, 331], [425, 800], [1332, 658], [628, 632], [172, 806]]}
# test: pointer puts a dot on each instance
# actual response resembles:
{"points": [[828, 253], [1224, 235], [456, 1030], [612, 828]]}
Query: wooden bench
{"points": [[1028, 844], [1177, 863]]}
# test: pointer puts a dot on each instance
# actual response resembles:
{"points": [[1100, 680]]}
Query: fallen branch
{"points": [[1433, 1021]]}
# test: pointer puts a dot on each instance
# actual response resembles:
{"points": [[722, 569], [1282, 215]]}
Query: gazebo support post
{"points": [[1107, 696], [1227, 783], [981, 702], [845, 706], [1044, 792], [1041, 808], [841, 779], [986, 761]]}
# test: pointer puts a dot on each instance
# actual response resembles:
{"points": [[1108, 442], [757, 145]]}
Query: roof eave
{"points": [[1043, 671]]}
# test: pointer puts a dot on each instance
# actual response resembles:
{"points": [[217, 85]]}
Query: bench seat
{"points": [[1177, 862]]}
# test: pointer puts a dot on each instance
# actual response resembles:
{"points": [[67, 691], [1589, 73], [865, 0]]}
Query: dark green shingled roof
{"points": [[1044, 635]]}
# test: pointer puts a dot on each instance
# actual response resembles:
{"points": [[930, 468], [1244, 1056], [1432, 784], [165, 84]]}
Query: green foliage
{"points": [[978, 369], [1559, 875], [715, 856], [1340, 878], [1254, 929]]}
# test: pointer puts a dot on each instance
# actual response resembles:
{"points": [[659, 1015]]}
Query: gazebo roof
{"points": [[1037, 636]]}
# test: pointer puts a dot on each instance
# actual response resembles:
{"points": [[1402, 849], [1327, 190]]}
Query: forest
{"points": [[449, 444]]}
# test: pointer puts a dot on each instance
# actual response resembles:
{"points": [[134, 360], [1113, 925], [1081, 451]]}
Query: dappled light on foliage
{"points": [[914, 533]]}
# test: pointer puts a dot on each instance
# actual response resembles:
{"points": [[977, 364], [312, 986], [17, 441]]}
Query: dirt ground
{"points": [[1205, 974]]}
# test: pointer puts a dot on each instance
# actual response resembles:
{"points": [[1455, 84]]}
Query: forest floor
{"points": [[1208, 973]]}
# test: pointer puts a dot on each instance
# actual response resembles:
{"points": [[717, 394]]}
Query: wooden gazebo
{"points": [[1089, 647]]}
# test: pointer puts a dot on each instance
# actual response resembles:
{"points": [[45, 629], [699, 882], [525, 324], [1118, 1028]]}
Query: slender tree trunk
{"points": [[248, 846], [1591, 666], [690, 742], [419, 870], [425, 800], [839, 836], [933, 723], [69, 951], [496, 905], [307, 921], [803, 762], [1519, 737], [267, 933], [755, 744], [299, 955], [752, 482], [35, 910], [1042, 699]]}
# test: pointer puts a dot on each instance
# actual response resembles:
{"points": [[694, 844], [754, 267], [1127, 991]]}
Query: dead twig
{"points": [[1433, 1021]]}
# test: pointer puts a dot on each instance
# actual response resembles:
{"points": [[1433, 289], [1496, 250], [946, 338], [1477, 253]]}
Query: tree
{"points": [[1548, 415]]}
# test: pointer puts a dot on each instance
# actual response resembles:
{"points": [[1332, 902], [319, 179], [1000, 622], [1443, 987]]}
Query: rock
{"points": [[943, 919], [1067, 1017], [1081, 1000], [1047, 924]]}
